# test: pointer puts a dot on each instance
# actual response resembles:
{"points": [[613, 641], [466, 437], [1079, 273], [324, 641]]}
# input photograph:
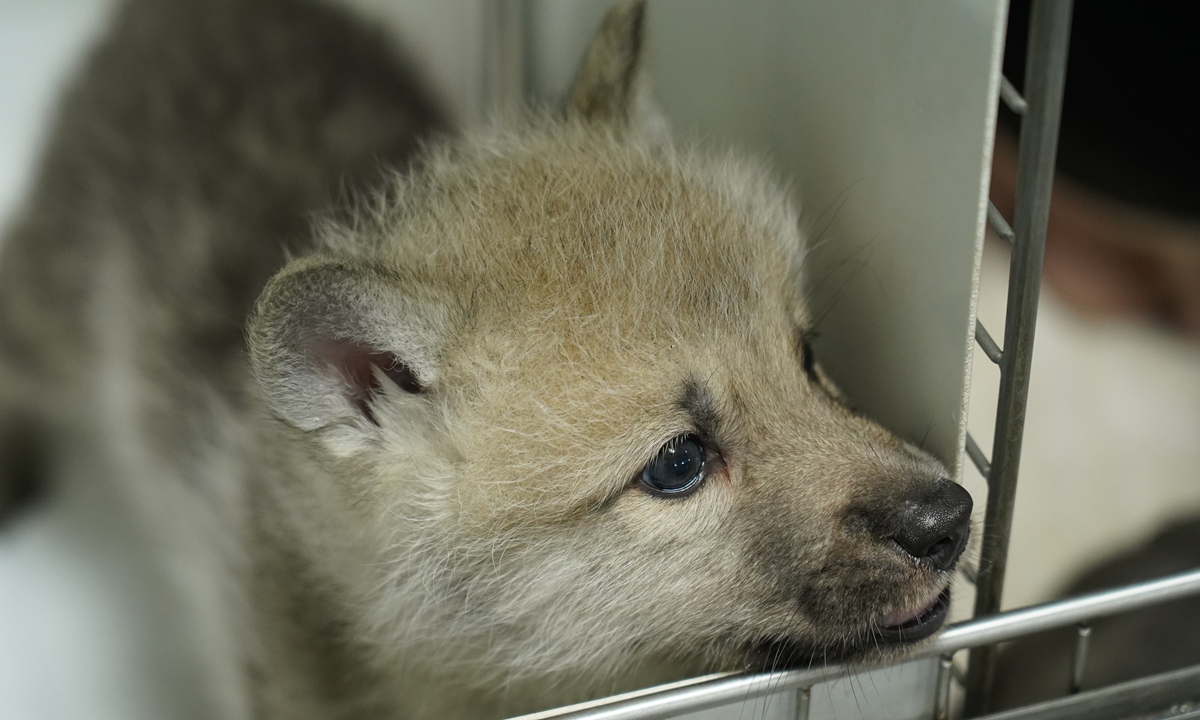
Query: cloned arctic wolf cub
{"points": [[536, 418]]}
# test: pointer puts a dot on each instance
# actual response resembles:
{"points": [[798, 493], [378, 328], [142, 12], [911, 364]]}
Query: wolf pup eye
{"points": [[678, 469], [808, 361]]}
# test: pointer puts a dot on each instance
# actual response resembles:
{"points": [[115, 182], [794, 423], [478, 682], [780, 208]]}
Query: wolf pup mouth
{"points": [[907, 626]]}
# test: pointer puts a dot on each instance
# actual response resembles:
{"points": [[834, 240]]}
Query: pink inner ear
{"points": [[356, 364]]}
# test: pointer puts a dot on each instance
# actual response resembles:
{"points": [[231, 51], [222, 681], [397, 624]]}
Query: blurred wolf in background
{"points": [[531, 417]]}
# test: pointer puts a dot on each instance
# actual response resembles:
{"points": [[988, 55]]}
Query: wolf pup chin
{"points": [[532, 418]]}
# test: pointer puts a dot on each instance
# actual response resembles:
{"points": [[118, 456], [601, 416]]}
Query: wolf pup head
{"points": [[553, 419]]}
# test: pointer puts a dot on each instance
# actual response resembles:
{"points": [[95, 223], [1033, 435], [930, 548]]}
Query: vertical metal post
{"points": [[945, 676], [1045, 70], [1083, 636], [803, 702]]}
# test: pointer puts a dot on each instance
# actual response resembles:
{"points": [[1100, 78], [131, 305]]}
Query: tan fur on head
{"points": [[587, 295]]}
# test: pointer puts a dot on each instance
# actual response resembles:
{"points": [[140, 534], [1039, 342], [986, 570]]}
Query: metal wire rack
{"points": [[1046, 68], [1119, 701], [1040, 110]]}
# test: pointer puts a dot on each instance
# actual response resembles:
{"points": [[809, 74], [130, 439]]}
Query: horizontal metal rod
{"points": [[999, 224], [715, 690], [701, 696], [580, 709], [987, 344], [1012, 98], [977, 457], [1013, 624]]}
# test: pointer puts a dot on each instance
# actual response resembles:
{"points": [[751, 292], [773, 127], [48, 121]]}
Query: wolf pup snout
{"points": [[928, 527], [932, 524]]}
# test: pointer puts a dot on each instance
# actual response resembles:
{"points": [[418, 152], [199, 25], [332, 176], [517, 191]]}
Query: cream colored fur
{"points": [[558, 287]]}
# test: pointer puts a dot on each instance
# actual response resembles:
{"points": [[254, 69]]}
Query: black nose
{"points": [[932, 524]]}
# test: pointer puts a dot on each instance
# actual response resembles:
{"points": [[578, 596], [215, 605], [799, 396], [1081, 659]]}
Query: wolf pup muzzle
{"points": [[931, 526]]}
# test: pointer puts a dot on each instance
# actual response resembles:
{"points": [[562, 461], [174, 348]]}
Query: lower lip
{"points": [[920, 627]]}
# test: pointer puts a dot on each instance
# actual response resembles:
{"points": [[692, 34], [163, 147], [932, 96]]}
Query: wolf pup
{"points": [[538, 420]]}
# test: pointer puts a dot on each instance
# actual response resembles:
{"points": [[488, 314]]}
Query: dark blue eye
{"points": [[677, 469]]}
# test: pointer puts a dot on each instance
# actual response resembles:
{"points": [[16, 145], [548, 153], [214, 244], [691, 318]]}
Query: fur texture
{"points": [[419, 496]]}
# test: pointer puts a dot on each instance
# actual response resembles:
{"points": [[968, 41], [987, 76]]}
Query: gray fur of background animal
{"points": [[189, 153], [417, 495]]}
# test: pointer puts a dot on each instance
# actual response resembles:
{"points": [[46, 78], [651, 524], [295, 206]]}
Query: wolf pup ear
{"points": [[612, 87], [328, 337]]}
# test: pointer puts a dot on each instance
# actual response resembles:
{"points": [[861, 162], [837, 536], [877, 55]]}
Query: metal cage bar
{"points": [[715, 690], [1045, 73]]}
